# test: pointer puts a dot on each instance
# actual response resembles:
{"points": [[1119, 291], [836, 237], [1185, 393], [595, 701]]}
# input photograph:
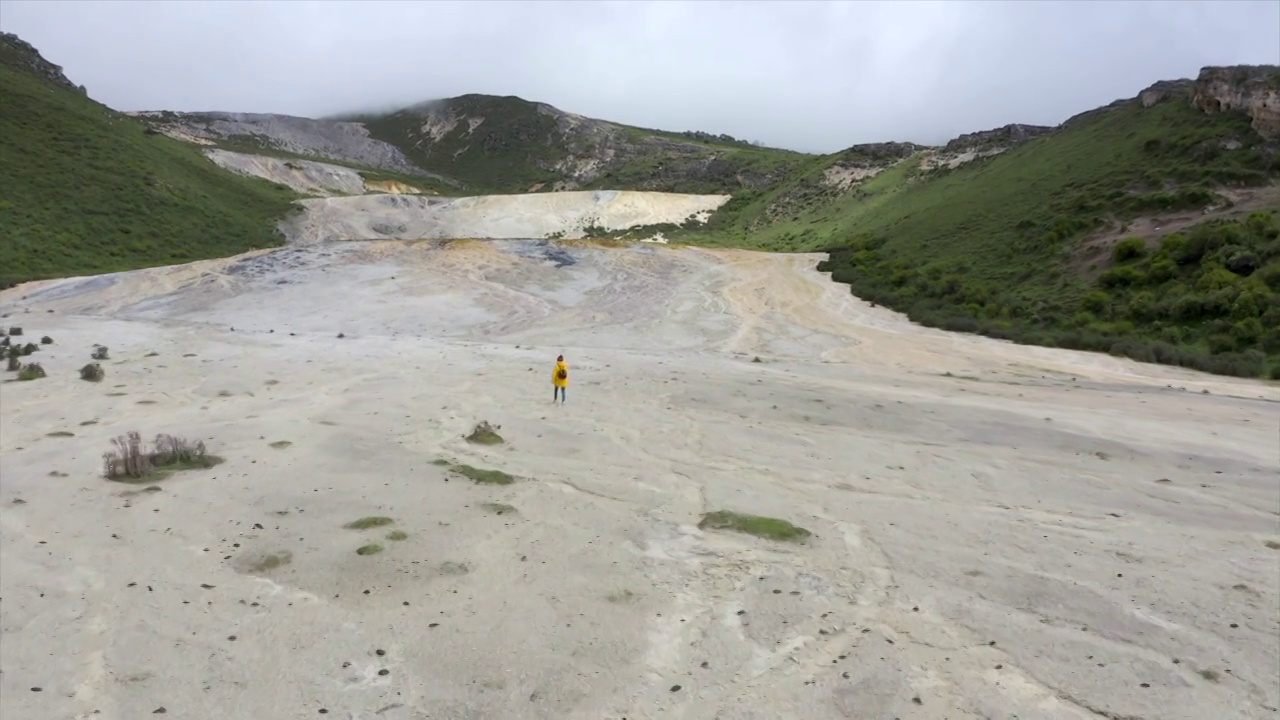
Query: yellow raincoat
{"points": [[555, 374]]}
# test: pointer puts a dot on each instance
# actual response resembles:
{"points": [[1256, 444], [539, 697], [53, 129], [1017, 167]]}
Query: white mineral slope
{"points": [[305, 176], [536, 215], [998, 531]]}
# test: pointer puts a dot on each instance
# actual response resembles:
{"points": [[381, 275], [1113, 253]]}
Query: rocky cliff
{"points": [[16, 52], [1253, 89]]}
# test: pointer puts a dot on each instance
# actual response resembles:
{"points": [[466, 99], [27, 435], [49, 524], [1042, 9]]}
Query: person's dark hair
{"points": [[560, 358]]}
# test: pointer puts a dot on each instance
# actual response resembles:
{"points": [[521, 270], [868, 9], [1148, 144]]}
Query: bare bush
{"points": [[92, 372], [128, 460], [99, 352], [172, 450]]}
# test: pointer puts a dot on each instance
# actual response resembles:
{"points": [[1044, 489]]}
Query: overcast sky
{"points": [[815, 76]]}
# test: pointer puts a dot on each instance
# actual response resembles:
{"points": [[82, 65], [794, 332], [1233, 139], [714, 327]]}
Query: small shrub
{"points": [[371, 521], [92, 372], [272, 561], [765, 527], [1128, 249], [15, 331], [485, 434], [14, 364], [30, 348], [46, 340], [170, 450], [397, 535], [99, 352], [484, 477], [370, 549], [31, 371]]}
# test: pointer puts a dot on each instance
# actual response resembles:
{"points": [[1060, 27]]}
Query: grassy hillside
{"points": [[1020, 245], [87, 190], [507, 144]]}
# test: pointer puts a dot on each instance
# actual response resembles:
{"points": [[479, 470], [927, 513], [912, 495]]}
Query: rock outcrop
{"points": [[336, 140], [1165, 90], [1252, 89], [999, 139], [19, 53]]}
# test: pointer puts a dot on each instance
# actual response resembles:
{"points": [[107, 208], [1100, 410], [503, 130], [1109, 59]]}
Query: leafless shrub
{"points": [[172, 450], [128, 460]]}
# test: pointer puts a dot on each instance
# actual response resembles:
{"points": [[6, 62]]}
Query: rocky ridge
{"points": [[339, 141], [19, 53], [1253, 89]]}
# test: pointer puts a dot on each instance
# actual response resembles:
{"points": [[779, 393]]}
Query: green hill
{"points": [[507, 144], [87, 190], [1144, 231]]}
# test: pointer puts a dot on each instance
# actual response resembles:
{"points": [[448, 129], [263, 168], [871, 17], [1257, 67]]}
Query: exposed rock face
{"points": [[17, 52], [1164, 90], [333, 139], [863, 162], [974, 146], [999, 139], [1253, 89]]}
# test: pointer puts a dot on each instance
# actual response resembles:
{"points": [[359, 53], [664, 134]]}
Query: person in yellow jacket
{"points": [[559, 380]]}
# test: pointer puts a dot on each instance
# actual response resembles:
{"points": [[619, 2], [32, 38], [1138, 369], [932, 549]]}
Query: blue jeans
{"points": [[558, 393]]}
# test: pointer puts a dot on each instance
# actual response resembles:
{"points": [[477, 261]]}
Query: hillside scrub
{"points": [[88, 190], [988, 248], [1206, 298]]}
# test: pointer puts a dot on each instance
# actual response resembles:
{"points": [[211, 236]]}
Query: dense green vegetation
{"points": [[88, 190]]}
